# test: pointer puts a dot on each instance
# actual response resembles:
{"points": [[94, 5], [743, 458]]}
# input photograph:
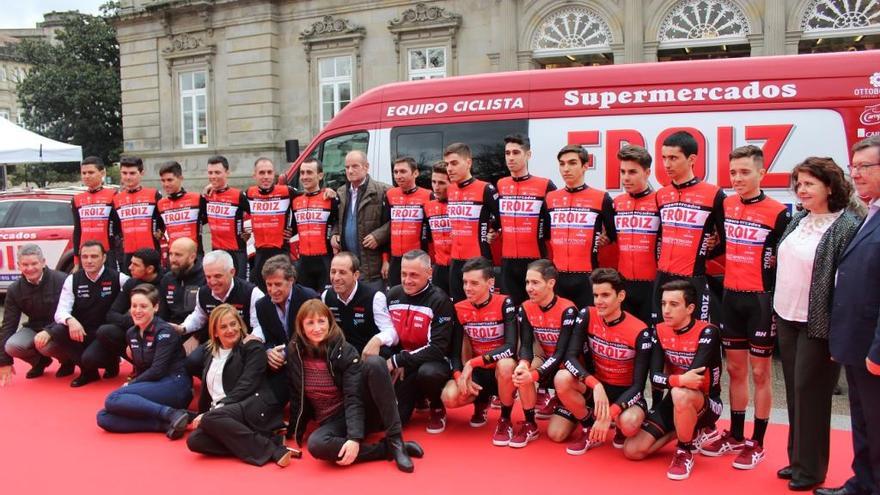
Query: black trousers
{"points": [[456, 285], [426, 381], [440, 278], [381, 415], [575, 287], [313, 272], [89, 354], [864, 407], [639, 300], [232, 431], [240, 262], [513, 279], [394, 271], [810, 378], [112, 338], [260, 257]]}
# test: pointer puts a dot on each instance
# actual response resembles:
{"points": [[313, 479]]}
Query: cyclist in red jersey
{"points": [[404, 208], [638, 224], [687, 361], [547, 319], [578, 215], [269, 204], [523, 216], [615, 347], [226, 207], [93, 210], [473, 212], [314, 216], [439, 226], [483, 347], [135, 214], [691, 213], [182, 212], [754, 224]]}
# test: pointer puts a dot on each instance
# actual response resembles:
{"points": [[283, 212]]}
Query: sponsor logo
{"points": [[871, 115], [606, 99]]}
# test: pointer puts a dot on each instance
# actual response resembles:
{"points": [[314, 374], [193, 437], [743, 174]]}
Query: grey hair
{"points": [[218, 256], [31, 250], [418, 255], [279, 263], [363, 155]]}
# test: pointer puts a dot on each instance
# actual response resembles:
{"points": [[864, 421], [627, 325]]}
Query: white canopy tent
{"points": [[19, 145]]}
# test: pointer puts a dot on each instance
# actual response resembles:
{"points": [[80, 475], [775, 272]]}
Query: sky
{"points": [[27, 13]]}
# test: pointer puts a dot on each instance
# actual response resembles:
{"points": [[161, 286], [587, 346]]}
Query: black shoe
{"points": [[397, 451], [66, 369], [784, 473], [85, 378], [177, 424], [112, 371], [802, 486], [840, 490], [414, 450], [37, 370]]}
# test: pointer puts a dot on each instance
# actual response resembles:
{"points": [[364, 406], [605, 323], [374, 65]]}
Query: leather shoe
{"points": [[398, 452], [66, 369], [802, 486], [37, 370], [840, 490], [414, 450], [784, 473], [85, 378], [177, 424]]}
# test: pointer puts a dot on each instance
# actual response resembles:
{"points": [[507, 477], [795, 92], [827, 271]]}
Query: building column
{"points": [[633, 34], [507, 37], [650, 51], [792, 40], [774, 28]]}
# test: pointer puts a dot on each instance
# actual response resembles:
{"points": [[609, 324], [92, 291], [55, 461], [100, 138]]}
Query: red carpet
{"points": [[50, 444]]}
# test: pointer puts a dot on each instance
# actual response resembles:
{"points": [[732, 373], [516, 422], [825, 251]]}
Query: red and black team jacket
{"points": [[423, 323], [406, 212], [490, 329], [677, 351], [619, 352], [92, 212], [637, 220], [183, 214], [551, 326], [752, 229], [689, 214], [524, 216], [137, 218], [313, 219], [225, 210], [577, 217], [270, 215], [472, 210], [439, 232]]}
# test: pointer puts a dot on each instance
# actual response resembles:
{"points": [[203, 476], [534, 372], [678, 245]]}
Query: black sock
{"points": [[505, 412], [737, 424], [530, 415], [688, 446], [760, 429]]}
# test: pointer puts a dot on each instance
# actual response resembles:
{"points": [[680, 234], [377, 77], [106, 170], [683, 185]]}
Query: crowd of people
{"points": [[395, 305]]}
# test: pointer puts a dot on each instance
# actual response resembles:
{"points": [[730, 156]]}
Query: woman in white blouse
{"points": [[238, 410], [807, 260]]}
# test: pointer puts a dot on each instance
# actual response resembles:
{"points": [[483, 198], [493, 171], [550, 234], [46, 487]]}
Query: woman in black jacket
{"points": [[238, 411], [332, 385], [155, 400]]}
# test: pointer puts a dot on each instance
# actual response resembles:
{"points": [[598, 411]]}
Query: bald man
{"points": [[361, 229], [179, 287]]}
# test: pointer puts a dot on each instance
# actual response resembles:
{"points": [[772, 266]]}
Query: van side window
{"points": [[332, 155], [486, 140]]}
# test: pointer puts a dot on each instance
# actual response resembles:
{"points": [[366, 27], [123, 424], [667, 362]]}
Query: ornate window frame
{"points": [[425, 26], [552, 20], [184, 53], [729, 7], [846, 14]]}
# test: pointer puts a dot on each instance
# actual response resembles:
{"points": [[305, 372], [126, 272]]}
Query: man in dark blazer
{"points": [[855, 325], [277, 315]]}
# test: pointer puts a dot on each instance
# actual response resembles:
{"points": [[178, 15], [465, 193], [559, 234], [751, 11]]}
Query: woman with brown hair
{"points": [[808, 254], [346, 396], [238, 411]]}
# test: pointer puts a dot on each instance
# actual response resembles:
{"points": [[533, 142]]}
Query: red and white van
{"points": [[793, 106]]}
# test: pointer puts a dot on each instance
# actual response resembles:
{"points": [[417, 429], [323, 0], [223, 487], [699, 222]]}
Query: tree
{"points": [[72, 92]]}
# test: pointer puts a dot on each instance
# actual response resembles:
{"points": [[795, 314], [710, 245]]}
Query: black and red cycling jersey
{"points": [[313, 219], [551, 326], [637, 220], [523, 216], [577, 217], [423, 322], [618, 352], [406, 212], [270, 214], [137, 218], [439, 231], [183, 214], [696, 345], [472, 210], [752, 228], [225, 209], [689, 214], [92, 212], [490, 328]]}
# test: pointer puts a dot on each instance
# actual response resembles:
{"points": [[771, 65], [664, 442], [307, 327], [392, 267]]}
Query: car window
{"points": [[332, 155], [5, 207], [43, 214]]}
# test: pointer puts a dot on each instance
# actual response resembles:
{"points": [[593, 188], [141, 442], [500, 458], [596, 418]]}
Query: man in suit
{"points": [[855, 326], [361, 229]]}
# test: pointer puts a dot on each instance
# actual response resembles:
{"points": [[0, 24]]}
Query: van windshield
{"points": [[332, 155]]}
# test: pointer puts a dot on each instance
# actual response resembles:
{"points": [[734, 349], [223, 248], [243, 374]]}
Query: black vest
{"points": [[356, 318], [239, 298], [92, 300], [178, 295]]}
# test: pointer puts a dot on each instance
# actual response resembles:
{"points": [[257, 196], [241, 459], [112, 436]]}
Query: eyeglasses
{"points": [[853, 168]]}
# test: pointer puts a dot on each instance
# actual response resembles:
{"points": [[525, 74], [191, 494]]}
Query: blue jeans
{"points": [[145, 406]]}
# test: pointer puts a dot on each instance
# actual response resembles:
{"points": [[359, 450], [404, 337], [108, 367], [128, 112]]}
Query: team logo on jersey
{"points": [[221, 210], [520, 207], [573, 218], [637, 222], [484, 331], [94, 212], [440, 223], [684, 215], [464, 212], [135, 211], [269, 206], [307, 216], [407, 213], [739, 232], [611, 350], [181, 216]]}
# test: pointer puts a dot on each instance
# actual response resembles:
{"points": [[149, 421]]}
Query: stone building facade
{"points": [[238, 78]]}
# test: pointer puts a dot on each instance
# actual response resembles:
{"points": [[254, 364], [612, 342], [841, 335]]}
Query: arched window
{"points": [[572, 36], [840, 25], [694, 29]]}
